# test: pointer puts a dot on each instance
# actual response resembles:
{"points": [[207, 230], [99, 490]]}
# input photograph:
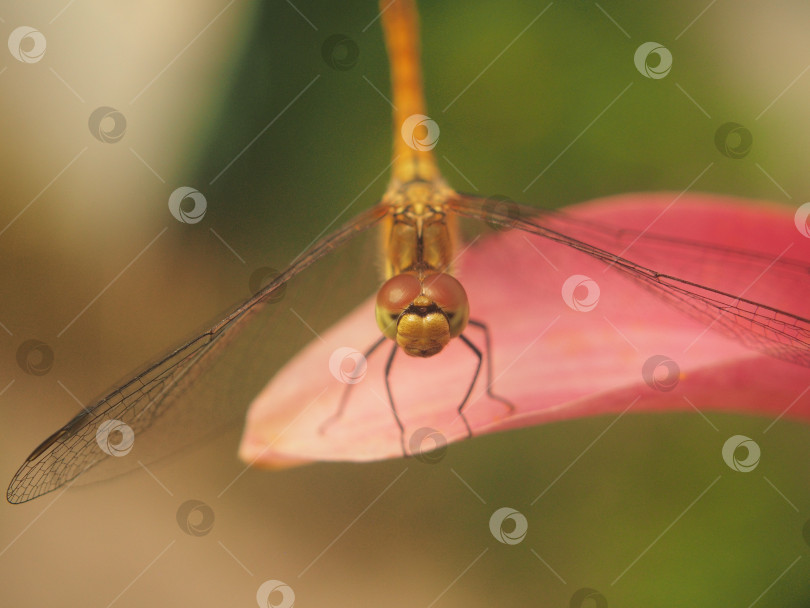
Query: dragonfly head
{"points": [[421, 316]]}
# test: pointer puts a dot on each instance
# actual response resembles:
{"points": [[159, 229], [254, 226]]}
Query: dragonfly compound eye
{"points": [[393, 298], [448, 294]]}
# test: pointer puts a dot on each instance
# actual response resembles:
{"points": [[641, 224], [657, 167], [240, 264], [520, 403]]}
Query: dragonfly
{"points": [[421, 306]]}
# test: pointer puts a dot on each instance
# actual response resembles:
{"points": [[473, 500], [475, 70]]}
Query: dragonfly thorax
{"points": [[422, 312]]}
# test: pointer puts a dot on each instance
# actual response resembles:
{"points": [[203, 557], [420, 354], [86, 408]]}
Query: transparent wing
{"points": [[730, 304], [179, 378]]}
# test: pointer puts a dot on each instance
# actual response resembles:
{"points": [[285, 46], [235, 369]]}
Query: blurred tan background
{"points": [[94, 265]]}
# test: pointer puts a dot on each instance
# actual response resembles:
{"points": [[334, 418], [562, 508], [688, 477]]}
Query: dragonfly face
{"points": [[422, 313]]}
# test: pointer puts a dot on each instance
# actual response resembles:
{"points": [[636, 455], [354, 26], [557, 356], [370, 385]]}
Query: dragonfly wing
{"points": [[729, 306], [179, 378]]}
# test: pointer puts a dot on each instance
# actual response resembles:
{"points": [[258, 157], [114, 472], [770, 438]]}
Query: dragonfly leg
{"points": [[344, 399], [391, 398], [464, 401], [490, 380]]}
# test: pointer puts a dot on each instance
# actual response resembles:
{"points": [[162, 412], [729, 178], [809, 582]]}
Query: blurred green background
{"points": [[204, 83]]}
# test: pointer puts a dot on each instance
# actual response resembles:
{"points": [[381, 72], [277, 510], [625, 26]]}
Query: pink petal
{"points": [[553, 362]]}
